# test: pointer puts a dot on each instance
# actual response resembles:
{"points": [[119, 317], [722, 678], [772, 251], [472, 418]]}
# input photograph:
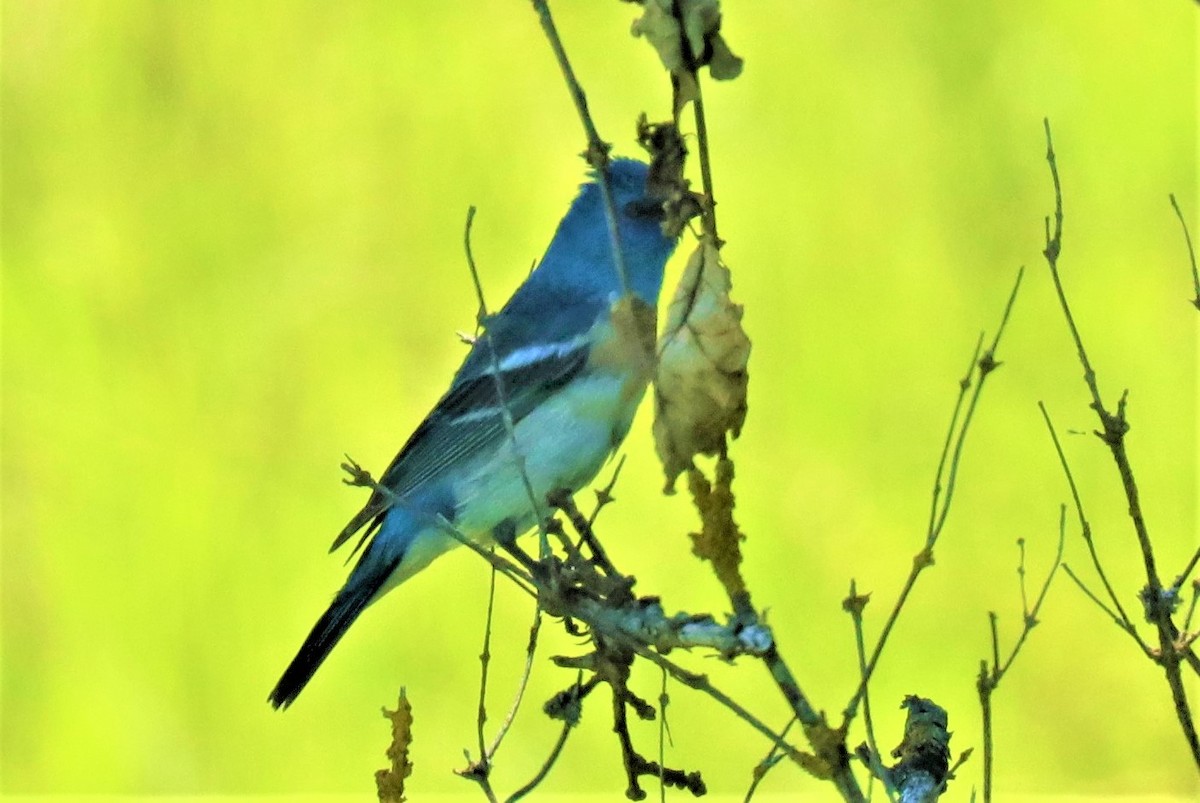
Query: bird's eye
{"points": [[646, 208]]}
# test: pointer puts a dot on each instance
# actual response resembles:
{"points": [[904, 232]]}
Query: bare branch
{"points": [[1159, 603], [981, 367], [597, 149], [1187, 238], [1085, 530], [501, 396]]}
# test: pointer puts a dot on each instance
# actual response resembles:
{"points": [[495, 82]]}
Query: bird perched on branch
{"points": [[568, 357]]}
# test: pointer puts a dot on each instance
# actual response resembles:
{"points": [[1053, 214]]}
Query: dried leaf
{"points": [[723, 65], [719, 540], [661, 30], [390, 782], [701, 379], [698, 28], [665, 180]]}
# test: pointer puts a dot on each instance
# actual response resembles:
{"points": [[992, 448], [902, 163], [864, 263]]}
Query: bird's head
{"points": [[648, 237]]}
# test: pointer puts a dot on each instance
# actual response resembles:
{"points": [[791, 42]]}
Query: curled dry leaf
{"points": [[701, 379], [665, 180]]}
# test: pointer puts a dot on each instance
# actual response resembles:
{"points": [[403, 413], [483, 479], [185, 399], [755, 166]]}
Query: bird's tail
{"points": [[329, 629]]}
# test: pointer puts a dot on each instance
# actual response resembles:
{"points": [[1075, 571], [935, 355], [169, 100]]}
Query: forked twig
{"points": [[1159, 602], [989, 677], [1117, 611], [948, 464]]}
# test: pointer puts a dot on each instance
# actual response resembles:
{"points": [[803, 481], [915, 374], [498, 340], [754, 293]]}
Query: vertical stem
{"points": [[985, 702], [597, 149], [710, 212], [1114, 428]]}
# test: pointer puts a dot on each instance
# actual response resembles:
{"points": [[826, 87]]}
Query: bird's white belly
{"points": [[561, 445]]}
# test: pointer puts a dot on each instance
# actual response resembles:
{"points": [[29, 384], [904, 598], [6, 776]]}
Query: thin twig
{"points": [[1182, 577], [544, 770], [634, 764], [501, 396], [1021, 576], [481, 313], [604, 496], [480, 770], [981, 367], [360, 477], [964, 385], [1099, 603], [985, 705], [855, 604], [994, 627], [773, 757], [987, 364], [709, 217], [662, 737], [597, 149], [989, 678], [828, 742], [1187, 622], [1030, 618], [702, 684], [1085, 530], [530, 649], [1114, 426], [1187, 237], [1121, 617], [587, 535]]}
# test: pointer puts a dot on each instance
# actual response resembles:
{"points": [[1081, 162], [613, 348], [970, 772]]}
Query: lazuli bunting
{"points": [[572, 375]]}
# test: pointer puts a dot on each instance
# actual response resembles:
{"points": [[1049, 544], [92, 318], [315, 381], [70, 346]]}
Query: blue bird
{"points": [[572, 375]]}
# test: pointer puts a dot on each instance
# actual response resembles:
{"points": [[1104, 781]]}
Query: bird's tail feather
{"points": [[326, 633]]}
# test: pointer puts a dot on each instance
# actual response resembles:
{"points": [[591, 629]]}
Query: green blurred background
{"points": [[232, 252]]}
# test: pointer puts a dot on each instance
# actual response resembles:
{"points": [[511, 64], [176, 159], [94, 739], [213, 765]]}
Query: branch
{"points": [[597, 149], [510, 426], [1187, 238], [921, 774], [544, 770], [1159, 606], [948, 463], [1085, 530], [854, 605], [773, 757], [709, 217], [480, 770], [989, 677]]}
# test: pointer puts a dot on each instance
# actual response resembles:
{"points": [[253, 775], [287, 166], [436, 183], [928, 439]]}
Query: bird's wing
{"points": [[469, 418]]}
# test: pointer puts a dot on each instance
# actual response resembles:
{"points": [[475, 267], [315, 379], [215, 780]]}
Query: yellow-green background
{"points": [[232, 251]]}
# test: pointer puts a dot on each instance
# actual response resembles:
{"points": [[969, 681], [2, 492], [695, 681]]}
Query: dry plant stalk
{"points": [[389, 783]]}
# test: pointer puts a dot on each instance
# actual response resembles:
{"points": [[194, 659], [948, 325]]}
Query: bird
{"points": [[572, 373]]}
